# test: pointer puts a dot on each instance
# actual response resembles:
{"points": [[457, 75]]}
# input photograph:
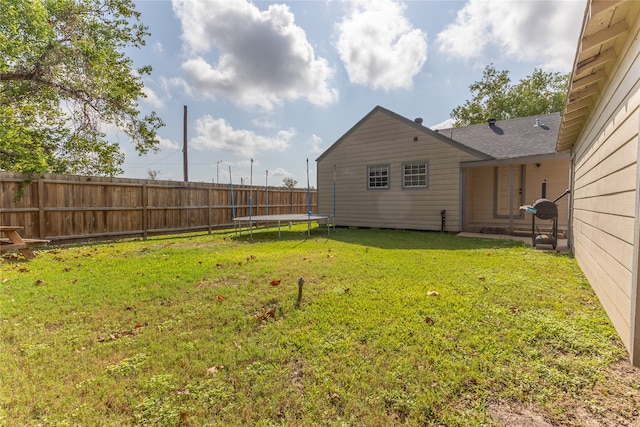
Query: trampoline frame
{"points": [[286, 218]]}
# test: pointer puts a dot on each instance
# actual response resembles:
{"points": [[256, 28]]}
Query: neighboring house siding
{"points": [[604, 191], [383, 139]]}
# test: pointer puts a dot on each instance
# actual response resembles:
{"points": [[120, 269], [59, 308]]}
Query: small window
{"points": [[414, 175], [378, 176]]}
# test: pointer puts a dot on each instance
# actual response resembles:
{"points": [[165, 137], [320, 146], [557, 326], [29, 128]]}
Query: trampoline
{"points": [[250, 221]]}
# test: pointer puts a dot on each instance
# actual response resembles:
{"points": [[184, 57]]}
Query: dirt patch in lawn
{"points": [[614, 401]]}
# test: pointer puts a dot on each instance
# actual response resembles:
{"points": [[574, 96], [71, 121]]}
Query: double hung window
{"points": [[378, 176], [414, 175]]}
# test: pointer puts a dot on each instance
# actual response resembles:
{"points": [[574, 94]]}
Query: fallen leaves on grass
{"points": [[433, 293], [215, 369], [514, 309], [220, 298], [121, 334], [429, 321], [265, 313], [275, 282]]}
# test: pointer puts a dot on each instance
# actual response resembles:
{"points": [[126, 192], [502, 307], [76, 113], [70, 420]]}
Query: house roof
{"points": [[506, 139], [605, 30], [412, 123], [510, 139]]}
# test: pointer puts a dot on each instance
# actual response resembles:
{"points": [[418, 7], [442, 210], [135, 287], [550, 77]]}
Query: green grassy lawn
{"points": [[394, 328]]}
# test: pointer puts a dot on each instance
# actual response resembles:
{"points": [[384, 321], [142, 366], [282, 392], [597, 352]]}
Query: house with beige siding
{"points": [[599, 129], [523, 161], [388, 171]]}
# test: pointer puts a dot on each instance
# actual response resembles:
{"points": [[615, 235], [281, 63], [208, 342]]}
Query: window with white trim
{"points": [[414, 175], [378, 176]]}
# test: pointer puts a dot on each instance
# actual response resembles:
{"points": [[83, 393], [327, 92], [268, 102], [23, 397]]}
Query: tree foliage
{"points": [[495, 97], [64, 78], [289, 182]]}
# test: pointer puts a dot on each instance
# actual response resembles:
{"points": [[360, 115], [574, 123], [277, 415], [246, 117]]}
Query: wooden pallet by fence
{"points": [[68, 207]]}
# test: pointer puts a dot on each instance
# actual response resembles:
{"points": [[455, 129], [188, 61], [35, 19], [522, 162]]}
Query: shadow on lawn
{"points": [[384, 238]]}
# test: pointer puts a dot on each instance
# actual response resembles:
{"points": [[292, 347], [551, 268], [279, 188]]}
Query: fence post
{"points": [[42, 232], [210, 203], [145, 211]]}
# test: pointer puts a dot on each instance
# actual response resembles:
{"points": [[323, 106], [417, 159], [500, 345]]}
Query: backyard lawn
{"points": [[394, 328]]}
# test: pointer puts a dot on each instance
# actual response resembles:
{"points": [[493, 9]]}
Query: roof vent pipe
{"points": [[418, 120], [538, 123], [491, 122]]}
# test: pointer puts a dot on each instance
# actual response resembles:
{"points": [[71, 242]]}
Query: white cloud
{"points": [[157, 48], [379, 46], [167, 144], [151, 98], [443, 125], [316, 144], [264, 123], [279, 172], [536, 31], [217, 135], [255, 58]]}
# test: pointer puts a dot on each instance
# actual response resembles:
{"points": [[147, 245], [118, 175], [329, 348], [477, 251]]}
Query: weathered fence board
{"points": [[67, 207]]}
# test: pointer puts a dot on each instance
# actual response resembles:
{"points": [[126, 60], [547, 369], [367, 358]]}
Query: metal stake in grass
{"points": [[300, 283]]}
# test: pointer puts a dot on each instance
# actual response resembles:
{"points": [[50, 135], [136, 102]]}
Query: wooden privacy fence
{"points": [[68, 207]]}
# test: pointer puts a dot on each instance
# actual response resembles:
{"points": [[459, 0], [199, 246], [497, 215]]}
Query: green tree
{"points": [[152, 174], [289, 182], [64, 77], [495, 97]]}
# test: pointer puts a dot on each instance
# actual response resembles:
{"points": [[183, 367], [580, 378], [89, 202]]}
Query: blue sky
{"points": [[279, 82]]}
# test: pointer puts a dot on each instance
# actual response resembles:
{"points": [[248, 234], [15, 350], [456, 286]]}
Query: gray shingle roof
{"points": [[508, 139]]}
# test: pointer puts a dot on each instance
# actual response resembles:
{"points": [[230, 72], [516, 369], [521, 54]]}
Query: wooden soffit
{"points": [[604, 29]]}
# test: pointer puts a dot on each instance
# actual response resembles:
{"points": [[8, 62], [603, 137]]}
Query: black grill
{"points": [[545, 209]]}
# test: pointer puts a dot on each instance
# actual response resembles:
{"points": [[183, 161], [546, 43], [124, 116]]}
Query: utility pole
{"points": [[185, 163], [218, 171]]}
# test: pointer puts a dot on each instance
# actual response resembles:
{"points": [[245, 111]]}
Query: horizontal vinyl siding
{"points": [[385, 140], [612, 298], [604, 192]]}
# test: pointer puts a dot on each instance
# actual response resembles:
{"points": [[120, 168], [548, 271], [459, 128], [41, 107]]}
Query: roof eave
{"points": [[515, 160], [603, 26], [420, 127]]}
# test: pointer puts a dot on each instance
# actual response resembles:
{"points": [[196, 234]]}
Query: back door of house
{"points": [[509, 196]]}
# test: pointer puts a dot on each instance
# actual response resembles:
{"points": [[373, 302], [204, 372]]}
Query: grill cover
{"points": [[546, 209]]}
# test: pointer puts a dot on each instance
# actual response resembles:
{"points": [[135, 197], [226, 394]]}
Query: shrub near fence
{"points": [[69, 207]]}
